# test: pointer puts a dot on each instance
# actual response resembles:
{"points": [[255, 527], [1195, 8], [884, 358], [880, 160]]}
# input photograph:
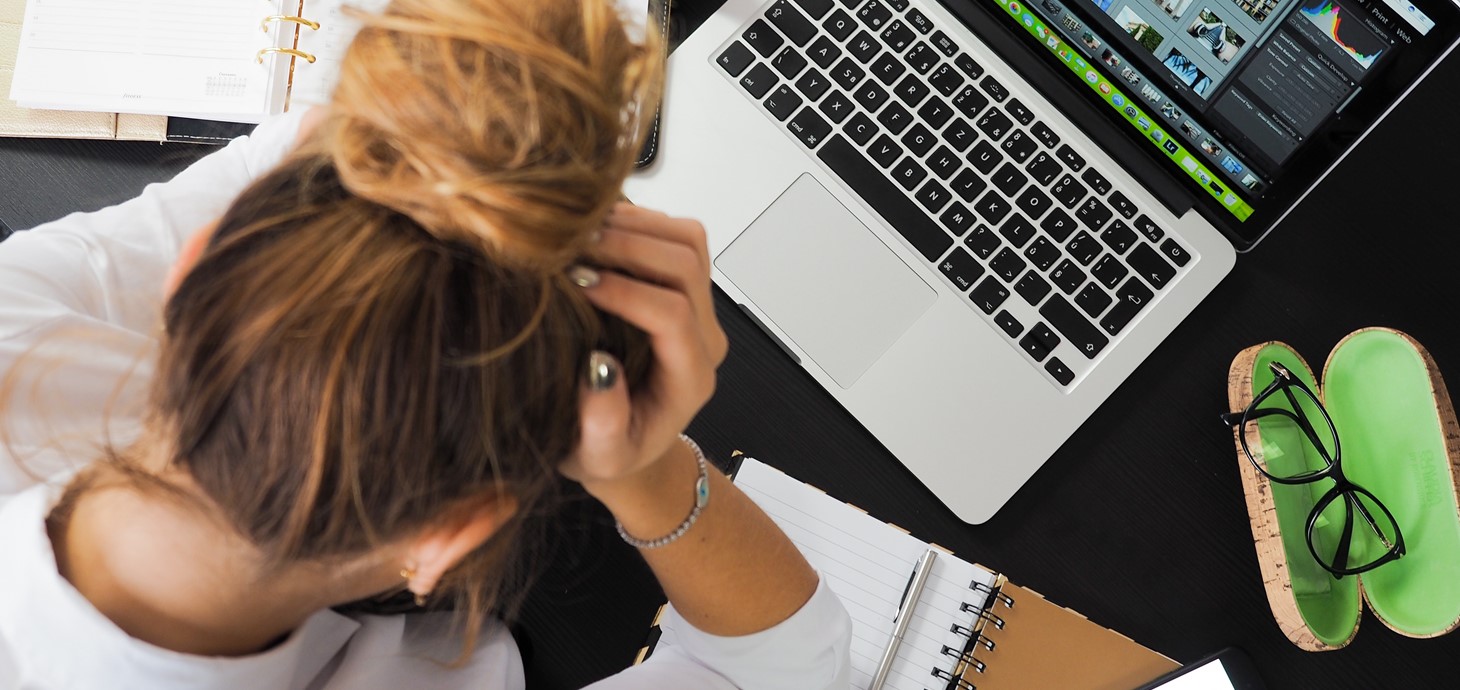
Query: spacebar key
{"points": [[870, 183], [1073, 325]]}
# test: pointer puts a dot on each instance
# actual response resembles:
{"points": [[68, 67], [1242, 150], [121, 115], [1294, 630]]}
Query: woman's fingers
{"points": [[605, 413], [666, 262], [666, 314]]}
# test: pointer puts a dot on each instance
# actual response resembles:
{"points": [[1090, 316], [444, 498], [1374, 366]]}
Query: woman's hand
{"points": [[657, 277]]}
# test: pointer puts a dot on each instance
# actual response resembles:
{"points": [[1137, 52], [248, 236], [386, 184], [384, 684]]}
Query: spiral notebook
{"points": [[970, 628]]}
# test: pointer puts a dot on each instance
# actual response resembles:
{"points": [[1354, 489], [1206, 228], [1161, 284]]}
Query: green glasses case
{"points": [[1399, 439]]}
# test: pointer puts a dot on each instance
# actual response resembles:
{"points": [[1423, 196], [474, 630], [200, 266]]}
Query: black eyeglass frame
{"points": [[1285, 381]]}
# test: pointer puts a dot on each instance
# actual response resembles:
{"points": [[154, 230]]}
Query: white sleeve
{"points": [[811, 650], [81, 303]]}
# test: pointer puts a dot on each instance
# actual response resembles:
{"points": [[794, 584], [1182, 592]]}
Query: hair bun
{"points": [[496, 123]]}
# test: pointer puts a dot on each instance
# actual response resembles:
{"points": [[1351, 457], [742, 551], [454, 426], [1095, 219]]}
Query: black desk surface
{"points": [[1138, 522]]}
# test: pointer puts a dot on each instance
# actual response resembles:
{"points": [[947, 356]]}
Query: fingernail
{"points": [[596, 237], [602, 371], [583, 276]]}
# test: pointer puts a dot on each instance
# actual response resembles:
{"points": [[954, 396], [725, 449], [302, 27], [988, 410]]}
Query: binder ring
{"points": [[264, 25], [982, 613], [964, 657], [999, 594], [953, 681], [284, 51]]}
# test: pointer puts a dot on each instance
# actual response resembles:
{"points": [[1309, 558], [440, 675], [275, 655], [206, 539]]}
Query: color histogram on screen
{"points": [[1348, 32]]}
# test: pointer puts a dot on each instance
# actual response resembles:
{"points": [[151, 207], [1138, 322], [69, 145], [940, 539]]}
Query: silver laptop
{"points": [[971, 220]]}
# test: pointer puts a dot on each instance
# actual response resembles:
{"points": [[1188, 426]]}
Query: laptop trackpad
{"points": [[825, 280]]}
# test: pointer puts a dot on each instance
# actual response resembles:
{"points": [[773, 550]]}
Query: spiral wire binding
{"points": [[974, 635], [954, 682]]}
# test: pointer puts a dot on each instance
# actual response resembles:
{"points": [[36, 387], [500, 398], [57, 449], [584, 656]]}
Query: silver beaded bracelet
{"points": [[702, 499]]}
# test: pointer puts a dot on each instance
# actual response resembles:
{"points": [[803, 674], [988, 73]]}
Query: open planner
{"points": [[970, 628]]}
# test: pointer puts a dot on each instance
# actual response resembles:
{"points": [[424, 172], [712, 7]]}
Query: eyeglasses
{"points": [[1296, 452]]}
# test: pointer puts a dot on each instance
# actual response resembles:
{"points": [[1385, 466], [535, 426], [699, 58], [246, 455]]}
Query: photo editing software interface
{"points": [[1229, 90]]}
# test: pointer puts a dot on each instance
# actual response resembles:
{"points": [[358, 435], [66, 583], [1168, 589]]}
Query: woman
{"points": [[369, 373]]}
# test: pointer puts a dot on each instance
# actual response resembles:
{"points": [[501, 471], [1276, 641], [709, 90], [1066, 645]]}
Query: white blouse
{"points": [[80, 307]]}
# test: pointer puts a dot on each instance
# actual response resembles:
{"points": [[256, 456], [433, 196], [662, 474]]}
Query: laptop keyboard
{"points": [[1042, 244]]}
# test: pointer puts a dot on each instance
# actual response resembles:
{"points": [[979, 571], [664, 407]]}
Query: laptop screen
{"points": [[1249, 102]]}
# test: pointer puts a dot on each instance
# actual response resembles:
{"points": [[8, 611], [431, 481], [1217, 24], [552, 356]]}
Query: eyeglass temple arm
{"points": [[1235, 418]]}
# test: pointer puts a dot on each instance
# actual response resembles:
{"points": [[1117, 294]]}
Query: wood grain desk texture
{"points": [[1138, 521]]}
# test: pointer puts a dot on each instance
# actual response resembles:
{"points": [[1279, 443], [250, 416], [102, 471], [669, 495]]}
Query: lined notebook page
{"points": [[868, 563], [194, 58]]}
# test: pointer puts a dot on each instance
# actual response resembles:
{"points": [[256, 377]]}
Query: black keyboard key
{"points": [[1129, 301], [983, 241], [791, 22], [1093, 213], [763, 38], [1068, 190], [898, 5], [1020, 146], [1119, 237], [885, 151], [864, 47], [958, 219], [1070, 158], [921, 58], [897, 36], [1150, 266], [1007, 265], [1067, 276], [1044, 169], [788, 62], [871, 96], [989, 295], [860, 129], [960, 135], [809, 127], [759, 81], [994, 124], [970, 102], [944, 162], [1044, 134], [1083, 248], [1097, 182], [944, 44], [839, 25], [945, 79], [782, 102], [968, 66], [1092, 300], [1008, 324], [933, 196], [1109, 271], [847, 74], [935, 112], [994, 89], [1032, 288], [824, 52], [1149, 228], [985, 157], [1033, 202], [1123, 205], [1019, 111], [873, 187], [894, 117], [1018, 231], [961, 268], [1059, 371], [919, 21], [735, 59], [1039, 341], [1009, 179], [837, 107], [1058, 224], [919, 140], [969, 185], [816, 8], [887, 68], [1073, 325], [1175, 252], [874, 14], [992, 207], [1042, 253], [908, 173], [911, 90], [813, 85]]}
